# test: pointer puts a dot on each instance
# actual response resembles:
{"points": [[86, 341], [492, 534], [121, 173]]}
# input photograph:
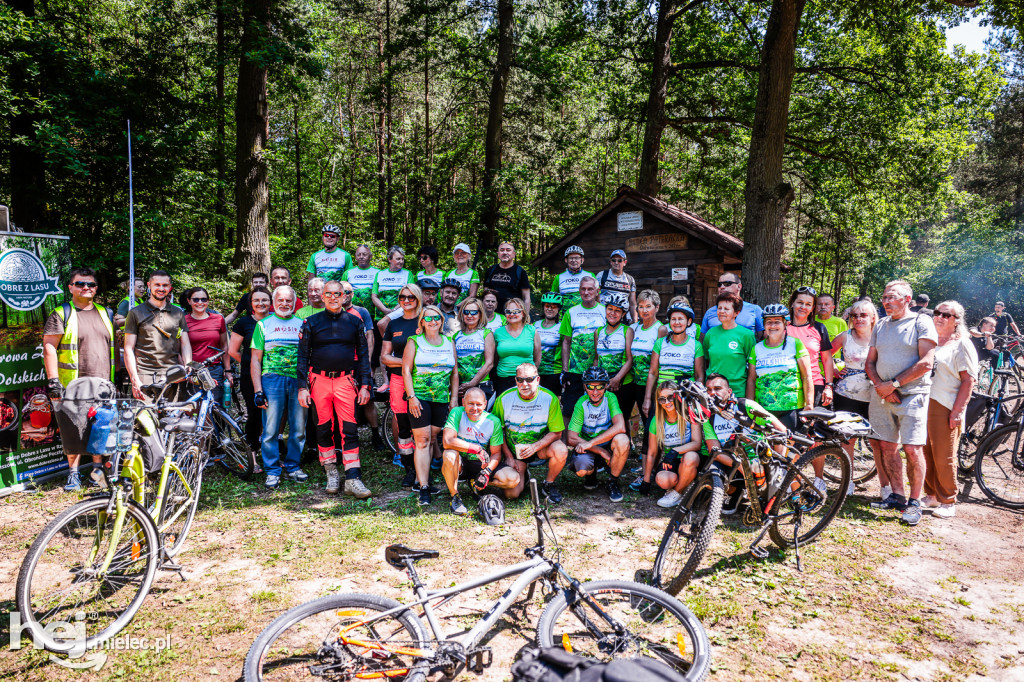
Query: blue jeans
{"points": [[282, 399], [217, 372]]}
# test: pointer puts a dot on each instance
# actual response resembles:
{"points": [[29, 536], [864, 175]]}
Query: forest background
{"points": [[840, 138]]}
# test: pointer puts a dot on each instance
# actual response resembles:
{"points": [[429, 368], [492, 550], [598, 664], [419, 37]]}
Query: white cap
{"points": [[462, 247]]}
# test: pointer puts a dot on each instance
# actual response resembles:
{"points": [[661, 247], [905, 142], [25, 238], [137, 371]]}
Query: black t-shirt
{"points": [[1003, 322], [244, 327], [399, 331], [984, 354], [508, 282]]}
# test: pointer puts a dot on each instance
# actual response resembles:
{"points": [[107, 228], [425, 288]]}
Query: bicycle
{"points": [[100, 556], [363, 636], [999, 465], [984, 414], [780, 506]]}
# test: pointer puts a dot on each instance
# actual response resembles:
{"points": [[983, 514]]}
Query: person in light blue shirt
{"points": [[750, 317]]}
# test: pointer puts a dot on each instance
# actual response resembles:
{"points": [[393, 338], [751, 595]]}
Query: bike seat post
{"points": [[417, 584]]}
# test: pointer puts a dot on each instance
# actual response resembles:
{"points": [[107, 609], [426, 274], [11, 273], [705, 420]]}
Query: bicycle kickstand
{"points": [[760, 552], [796, 543], [177, 568]]}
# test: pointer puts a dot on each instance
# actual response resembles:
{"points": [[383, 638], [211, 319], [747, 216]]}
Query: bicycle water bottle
{"points": [[99, 434], [758, 470], [227, 395], [124, 430]]}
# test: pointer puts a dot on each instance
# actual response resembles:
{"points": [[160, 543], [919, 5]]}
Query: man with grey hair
{"points": [[314, 298], [751, 317], [274, 371], [577, 331], [899, 366]]}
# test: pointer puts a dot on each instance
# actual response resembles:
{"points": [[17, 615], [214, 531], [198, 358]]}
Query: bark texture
{"points": [[495, 118]]}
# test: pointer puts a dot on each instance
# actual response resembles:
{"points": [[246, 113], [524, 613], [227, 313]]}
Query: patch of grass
{"points": [[264, 596]]}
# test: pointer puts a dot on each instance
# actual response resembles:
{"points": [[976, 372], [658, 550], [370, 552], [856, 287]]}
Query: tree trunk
{"points": [[767, 195], [221, 203], [298, 172], [389, 104], [428, 152], [495, 117], [29, 191], [252, 124], [648, 180]]}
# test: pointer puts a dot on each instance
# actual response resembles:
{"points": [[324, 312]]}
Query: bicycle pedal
{"points": [[478, 659], [759, 552]]}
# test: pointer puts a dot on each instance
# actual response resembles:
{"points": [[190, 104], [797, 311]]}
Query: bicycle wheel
{"points": [[340, 637], [179, 507], [862, 464], [801, 512], [384, 419], [233, 453], [638, 434], [1012, 386], [60, 578], [969, 441], [688, 535], [648, 624], [999, 467]]}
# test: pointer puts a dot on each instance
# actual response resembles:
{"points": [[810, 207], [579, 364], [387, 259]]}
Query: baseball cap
{"points": [[462, 247], [618, 252], [429, 283]]}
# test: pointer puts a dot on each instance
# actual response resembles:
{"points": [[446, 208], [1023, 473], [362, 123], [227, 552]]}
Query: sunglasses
{"points": [[200, 300], [806, 290], [596, 387], [432, 318], [330, 234], [405, 297], [470, 313], [424, 257], [86, 285], [665, 400], [857, 316], [333, 294], [949, 315], [726, 283], [526, 380], [513, 312]]}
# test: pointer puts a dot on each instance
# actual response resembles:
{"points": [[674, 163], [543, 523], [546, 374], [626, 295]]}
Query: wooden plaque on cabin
{"points": [[657, 242]]}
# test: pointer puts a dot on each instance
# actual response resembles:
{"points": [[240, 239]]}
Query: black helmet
{"points": [[492, 509], [429, 283], [451, 282], [595, 375]]}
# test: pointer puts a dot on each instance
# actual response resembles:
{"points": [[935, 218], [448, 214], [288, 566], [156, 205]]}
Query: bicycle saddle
{"points": [[178, 423], [817, 413], [397, 554]]}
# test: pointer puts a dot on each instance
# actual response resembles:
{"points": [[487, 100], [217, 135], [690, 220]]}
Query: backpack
{"points": [[554, 664]]}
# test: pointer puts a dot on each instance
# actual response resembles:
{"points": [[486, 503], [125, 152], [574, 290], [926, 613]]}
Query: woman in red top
{"points": [[814, 336], [207, 331]]}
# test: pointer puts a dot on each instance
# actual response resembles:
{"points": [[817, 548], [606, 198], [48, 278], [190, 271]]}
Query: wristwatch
{"points": [[895, 383]]}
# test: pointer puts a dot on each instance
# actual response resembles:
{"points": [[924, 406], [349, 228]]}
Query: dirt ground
{"points": [[876, 600]]}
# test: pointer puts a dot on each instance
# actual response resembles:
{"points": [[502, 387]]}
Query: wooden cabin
{"points": [[668, 249]]}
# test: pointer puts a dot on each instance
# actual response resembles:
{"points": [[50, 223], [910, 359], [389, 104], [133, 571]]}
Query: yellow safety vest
{"points": [[67, 350]]}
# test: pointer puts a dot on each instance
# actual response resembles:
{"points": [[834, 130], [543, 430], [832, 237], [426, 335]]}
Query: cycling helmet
{"points": [[429, 283], [595, 375], [696, 401], [776, 310], [617, 300], [551, 297], [451, 282], [492, 509], [332, 229], [680, 308], [573, 249]]}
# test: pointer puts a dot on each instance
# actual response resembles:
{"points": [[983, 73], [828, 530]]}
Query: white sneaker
{"points": [[945, 511], [851, 489], [670, 499], [929, 502], [884, 494], [819, 485]]}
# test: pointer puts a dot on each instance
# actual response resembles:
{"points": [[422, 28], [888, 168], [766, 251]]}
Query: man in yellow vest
{"points": [[78, 341]]}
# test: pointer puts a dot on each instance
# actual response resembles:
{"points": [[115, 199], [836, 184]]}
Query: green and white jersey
{"points": [[497, 323], [432, 369], [278, 338], [589, 419], [469, 351], [466, 279], [580, 323], [721, 429], [611, 351], [642, 347], [329, 265], [778, 385], [675, 361], [525, 421], [361, 280], [386, 285], [550, 348], [485, 432], [568, 285], [437, 276], [672, 438]]}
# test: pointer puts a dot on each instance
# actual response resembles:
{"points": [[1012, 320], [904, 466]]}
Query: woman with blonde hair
{"points": [[474, 348], [514, 344], [676, 441]]}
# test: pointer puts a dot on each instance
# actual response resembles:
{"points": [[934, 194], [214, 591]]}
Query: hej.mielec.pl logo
{"points": [[72, 638]]}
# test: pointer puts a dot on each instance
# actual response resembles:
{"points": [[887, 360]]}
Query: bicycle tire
{"points": [[173, 525], [999, 477], [862, 464], [1011, 385], [53, 569], [292, 666], [235, 456], [797, 502], [970, 439], [647, 606], [688, 534], [384, 424]]}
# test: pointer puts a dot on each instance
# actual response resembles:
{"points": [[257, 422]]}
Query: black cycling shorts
{"points": [[431, 414]]}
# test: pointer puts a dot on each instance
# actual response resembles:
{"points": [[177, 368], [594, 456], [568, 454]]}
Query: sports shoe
{"points": [[537, 463], [551, 492], [885, 492], [272, 482], [410, 480], [670, 499], [299, 476], [97, 479], [850, 489], [614, 491], [590, 481], [74, 482], [435, 464], [357, 489], [333, 481], [458, 508], [929, 502], [635, 485], [819, 485], [894, 501], [397, 460], [424, 497], [732, 505], [911, 513], [945, 511], [433, 490]]}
